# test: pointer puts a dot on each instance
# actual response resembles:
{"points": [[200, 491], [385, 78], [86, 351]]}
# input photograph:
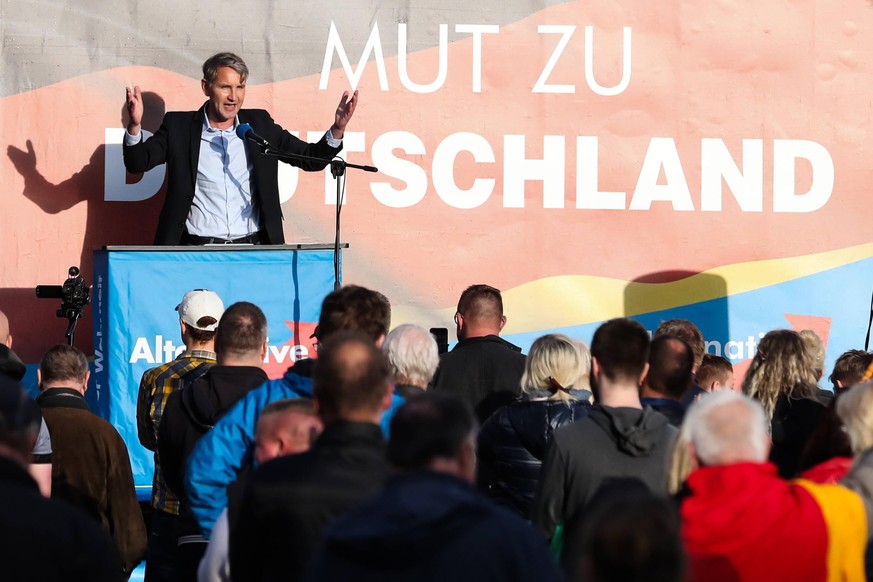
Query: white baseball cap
{"points": [[200, 303]]}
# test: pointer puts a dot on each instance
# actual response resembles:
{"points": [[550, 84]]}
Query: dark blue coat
{"points": [[432, 526]]}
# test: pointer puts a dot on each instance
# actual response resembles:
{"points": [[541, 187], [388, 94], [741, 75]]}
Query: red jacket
{"points": [[829, 472], [743, 522]]}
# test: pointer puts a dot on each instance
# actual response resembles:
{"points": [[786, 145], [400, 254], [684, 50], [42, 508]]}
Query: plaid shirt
{"points": [[155, 387]]}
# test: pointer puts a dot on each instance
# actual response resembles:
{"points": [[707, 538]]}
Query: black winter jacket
{"points": [[794, 420], [290, 500], [513, 443]]}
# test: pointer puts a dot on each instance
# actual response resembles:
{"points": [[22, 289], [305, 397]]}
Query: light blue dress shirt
{"points": [[223, 205]]}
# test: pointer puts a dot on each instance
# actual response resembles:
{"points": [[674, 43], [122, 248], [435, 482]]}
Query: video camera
{"points": [[74, 295]]}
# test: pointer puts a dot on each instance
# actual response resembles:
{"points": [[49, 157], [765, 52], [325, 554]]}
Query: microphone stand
{"points": [[337, 170]]}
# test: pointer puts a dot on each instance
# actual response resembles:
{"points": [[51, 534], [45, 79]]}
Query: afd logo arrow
{"points": [[298, 347]]}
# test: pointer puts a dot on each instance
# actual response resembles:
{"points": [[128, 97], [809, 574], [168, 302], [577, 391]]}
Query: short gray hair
{"points": [[217, 61], [727, 427], [413, 354]]}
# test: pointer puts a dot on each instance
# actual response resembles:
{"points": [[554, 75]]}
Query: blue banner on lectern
{"points": [[136, 326]]}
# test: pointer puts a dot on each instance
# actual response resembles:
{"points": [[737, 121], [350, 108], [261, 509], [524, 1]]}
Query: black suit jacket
{"points": [[485, 372], [177, 143]]}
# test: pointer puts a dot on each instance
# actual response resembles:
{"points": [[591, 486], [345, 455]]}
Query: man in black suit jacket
{"points": [[224, 191], [483, 369]]}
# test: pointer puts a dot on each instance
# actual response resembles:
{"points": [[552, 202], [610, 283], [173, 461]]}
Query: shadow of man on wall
{"points": [[107, 223]]}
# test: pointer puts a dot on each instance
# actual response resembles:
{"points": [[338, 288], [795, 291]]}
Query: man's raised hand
{"points": [[134, 109], [344, 112]]}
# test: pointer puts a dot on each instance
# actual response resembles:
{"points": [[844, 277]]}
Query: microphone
{"points": [[244, 131]]}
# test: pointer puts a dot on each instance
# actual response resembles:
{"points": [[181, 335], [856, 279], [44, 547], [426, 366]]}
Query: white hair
{"points": [[413, 353], [727, 427]]}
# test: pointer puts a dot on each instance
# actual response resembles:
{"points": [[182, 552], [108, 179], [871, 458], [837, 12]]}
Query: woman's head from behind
{"points": [[781, 367], [556, 363]]}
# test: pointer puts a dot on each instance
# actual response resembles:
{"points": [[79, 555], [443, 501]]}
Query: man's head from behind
{"points": [[435, 432], [619, 352], [241, 337], [354, 308], [286, 427], [19, 421], [480, 312], [716, 373], [727, 427], [687, 331], [199, 312], [670, 363], [63, 366], [352, 379], [850, 368], [413, 353], [625, 533]]}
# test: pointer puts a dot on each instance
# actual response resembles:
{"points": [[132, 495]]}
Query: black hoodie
{"points": [[612, 443], [192, 411]]}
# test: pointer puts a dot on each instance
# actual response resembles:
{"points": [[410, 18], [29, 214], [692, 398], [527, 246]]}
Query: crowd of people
{"points": [[635, 458]]}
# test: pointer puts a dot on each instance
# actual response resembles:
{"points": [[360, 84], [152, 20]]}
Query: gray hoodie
{"points": [[612, 443]]}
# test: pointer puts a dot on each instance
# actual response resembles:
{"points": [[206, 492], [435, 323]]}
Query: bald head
{"points": [[727, 427], [286, 427], [686, 331], [5, 336], [351, 379], [671, 361]]}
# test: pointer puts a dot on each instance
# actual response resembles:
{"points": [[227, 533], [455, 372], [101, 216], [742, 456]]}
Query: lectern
{"points": [[136, 289]]}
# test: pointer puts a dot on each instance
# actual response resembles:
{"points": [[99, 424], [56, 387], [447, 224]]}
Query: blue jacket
{"points": [[226, 449]]}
